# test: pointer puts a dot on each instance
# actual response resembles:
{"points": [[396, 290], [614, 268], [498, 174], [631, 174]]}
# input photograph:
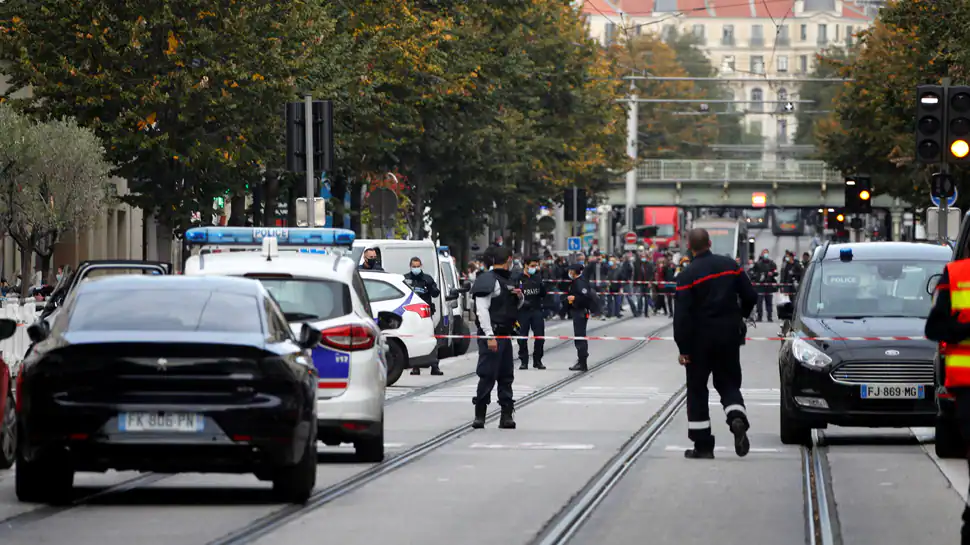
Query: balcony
{"points": [[727, 40], [782, 41], [756, 42]]}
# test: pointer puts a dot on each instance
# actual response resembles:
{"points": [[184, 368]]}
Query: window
{"points": [[448, 271], [609, 34], [803, 33], [757, 100], [757, 64], [378, 291], [836, 32], [783, 63], [667, 32], [782, 135], [665, 6], [166, 310], [723, 241], [727, 35], [698, 31], [870, 288], [308, 299], [823, 34], [397, 259], [781, 36], [849, 35], [728, 64], [279, 330], [757, 35], [782, 95], [358, 284], [803, 63]]}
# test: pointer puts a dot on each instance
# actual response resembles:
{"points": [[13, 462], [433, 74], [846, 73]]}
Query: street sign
{"points": [[319, 212], [630, 238], [759, 200], [953, 219], [574, 244], [949, 202]]}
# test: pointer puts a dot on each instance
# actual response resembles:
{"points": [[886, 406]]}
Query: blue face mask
{"points": [[415, 270], [532, 270]]}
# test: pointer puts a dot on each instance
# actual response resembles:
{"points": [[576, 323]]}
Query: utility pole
{"points": [[945, 172], [311, 194], [631, 149]]}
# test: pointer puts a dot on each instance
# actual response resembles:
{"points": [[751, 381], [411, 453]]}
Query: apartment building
{"points": [[761, 46]]}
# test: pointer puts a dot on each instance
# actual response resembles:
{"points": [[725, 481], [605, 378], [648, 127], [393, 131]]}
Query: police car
{"points": [[314, 283], [413, 345]]}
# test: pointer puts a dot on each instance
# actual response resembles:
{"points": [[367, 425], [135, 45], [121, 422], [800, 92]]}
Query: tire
{"points": [[8, 433], [397, 361], [949, 443], [44, 480], [461, 345], [294, 484], [371, 449]]}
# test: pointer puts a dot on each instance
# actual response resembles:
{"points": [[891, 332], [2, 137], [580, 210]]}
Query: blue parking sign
{"points": [[574, 244]]}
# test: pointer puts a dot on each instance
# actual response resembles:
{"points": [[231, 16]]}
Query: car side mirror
{"points": [[932, 283], [7, 328], [466, 287], [388, 320], [38, 331], [309, 336], [785, 310], [453, 295]]}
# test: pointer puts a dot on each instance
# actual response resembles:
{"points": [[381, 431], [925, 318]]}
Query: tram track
{"points": [[821, 516]]}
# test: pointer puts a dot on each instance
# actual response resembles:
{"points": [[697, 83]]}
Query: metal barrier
{"points": [[25, 313]]}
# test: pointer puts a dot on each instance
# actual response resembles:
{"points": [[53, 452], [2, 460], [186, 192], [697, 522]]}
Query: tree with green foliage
{"points": [[821, 93]]}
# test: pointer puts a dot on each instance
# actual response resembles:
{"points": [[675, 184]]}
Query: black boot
{"points": [[580, 366], [505, 421], [480, 411], [695, 453], [416, 371], [538, 365], [741, 443], [436, 371], [524, 365]]}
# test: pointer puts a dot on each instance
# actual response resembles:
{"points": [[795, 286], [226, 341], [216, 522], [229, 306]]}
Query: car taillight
{"points": [[19, 393], [348, 337], [421, 309]]}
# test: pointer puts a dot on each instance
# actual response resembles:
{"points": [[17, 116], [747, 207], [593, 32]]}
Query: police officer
{"points": [[497, 303], [581, 300], [949, 322], [709, 331], [529, 281], [371, 261], [425, 287]]}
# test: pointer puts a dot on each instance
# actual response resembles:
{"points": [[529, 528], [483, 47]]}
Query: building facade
{"points": [[760, 47]]}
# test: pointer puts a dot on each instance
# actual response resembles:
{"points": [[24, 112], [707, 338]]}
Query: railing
{"points": [[700, 170], [24, 313]]}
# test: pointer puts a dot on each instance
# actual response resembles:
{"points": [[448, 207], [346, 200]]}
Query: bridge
{"points": [[730, 183]]}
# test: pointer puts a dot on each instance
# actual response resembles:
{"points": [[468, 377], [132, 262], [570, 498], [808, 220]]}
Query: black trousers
{"points": [[534, 320], [764, 303], [580, 319], [963, 419], [495, 367], [723, 360]]}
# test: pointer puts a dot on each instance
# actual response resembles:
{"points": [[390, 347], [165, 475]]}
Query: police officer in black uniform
{"points": [[427, 289], [371, 261], [531, 313], [714, 298], [581, 300], [497, 302]]}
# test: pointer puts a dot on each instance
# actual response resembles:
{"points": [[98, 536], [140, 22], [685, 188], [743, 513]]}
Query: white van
{"points": [[395, 257]]}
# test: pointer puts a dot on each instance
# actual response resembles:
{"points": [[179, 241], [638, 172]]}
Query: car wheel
{"points": [[792, 430], [397, 361], [46, 479], [371, 449], [949, 442], [294, 484], [8, 433], [461, 345]]}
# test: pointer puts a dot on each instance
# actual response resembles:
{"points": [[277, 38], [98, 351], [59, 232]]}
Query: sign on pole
{"points": [[630, 241], [950, 202], [574, 244], [319, 209], [953, 218]]}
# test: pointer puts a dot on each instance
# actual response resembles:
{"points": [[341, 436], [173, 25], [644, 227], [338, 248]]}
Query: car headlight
{"points": [[808, 354]]}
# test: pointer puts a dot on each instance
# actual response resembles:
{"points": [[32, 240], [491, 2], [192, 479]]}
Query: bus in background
{"points": [[660, 225], [756, 218], [728, 236], [787, 222]]}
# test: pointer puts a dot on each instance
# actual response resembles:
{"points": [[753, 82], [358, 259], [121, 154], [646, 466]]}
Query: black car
{"points": [[167, 374], [850, 294]]}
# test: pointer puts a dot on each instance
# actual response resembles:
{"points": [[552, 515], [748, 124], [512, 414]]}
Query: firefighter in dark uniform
{"points": [[427, 289], [531, 313], [949, 322], [714, 298], [582, 300], [497, 302]]}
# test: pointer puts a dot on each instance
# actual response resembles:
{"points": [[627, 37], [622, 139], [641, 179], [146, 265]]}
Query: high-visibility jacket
{"points": [[957, 360]]}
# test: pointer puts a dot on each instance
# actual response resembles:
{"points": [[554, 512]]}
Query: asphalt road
{"points": [[502, 486]]}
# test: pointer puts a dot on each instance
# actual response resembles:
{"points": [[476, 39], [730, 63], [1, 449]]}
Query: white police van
{"points": [[307, 272]]}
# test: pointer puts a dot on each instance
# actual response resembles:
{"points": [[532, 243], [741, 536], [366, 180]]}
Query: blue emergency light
{"points": [[285, 236], [845, 254]]}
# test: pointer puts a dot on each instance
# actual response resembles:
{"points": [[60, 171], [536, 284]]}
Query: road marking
{"points": [[532, 446], [348, 445], [672, 448], [613, 402]]}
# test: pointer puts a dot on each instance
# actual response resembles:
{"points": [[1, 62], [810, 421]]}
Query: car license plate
{"points": [[893, 391], [161, 421]]}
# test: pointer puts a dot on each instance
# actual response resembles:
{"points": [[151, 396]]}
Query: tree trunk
{"points": [[355, 207], [163, 238], [257, 208], [45, 268], [271, 196], [24, 271], [291, 196], [237, 211]]}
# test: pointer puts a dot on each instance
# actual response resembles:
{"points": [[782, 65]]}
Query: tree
{"points": [[57, 183], [822, 93]]}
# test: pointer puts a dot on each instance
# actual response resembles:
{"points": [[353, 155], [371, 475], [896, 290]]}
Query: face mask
{"points": [[59, 277], [498, 243], [532, 270], [764, 256], [371, 261], [415, 270]]}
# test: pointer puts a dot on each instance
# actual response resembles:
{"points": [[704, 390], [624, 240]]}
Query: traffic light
{"points": [[958, 124], [575, 197], [837, 219], [322, 128], [930, 122], [858, 195]]}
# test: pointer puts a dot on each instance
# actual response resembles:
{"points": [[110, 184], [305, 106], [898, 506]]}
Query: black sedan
{"points": [[167, 374], [860, 299]]}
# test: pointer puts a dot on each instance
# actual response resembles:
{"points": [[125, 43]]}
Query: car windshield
{"points": [[165, 310], [303, 299], [754, 214], [665, 231], [723, 241], [786, 216], [871, 289]]}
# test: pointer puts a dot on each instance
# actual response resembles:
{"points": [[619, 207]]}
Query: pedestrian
{"points": [[497, 303], [371, 261], [427, 289], [767, 272], [582, 301], [949, 322], [714, 298], [531, 314]]}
